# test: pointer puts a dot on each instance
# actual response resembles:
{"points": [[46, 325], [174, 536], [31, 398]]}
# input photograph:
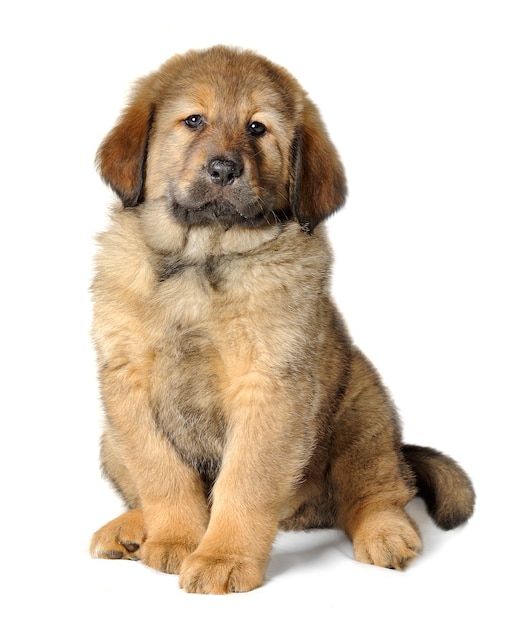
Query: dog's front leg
{"points": [[175, 513], [263, 458], [169, 511]]}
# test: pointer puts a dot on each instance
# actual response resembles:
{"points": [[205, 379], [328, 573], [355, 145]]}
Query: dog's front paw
{"points": [[166, 556], [219, 574], [388, 539]]}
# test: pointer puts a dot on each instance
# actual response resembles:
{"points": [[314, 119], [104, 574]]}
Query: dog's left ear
{"points": [[122, 155], [319, 187]]}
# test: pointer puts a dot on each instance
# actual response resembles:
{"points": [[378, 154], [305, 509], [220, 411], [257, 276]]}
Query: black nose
{"points": [[224, 171]]}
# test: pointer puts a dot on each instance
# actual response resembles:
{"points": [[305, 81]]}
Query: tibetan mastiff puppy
{"points": [[236, 403]]}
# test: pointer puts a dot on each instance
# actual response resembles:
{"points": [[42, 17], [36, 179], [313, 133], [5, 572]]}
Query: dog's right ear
{"points": [[122, 155]]}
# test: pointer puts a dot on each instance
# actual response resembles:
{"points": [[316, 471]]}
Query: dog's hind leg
{"points": [[371, 481]]}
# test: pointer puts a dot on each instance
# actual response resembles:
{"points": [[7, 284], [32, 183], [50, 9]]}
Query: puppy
{"points": [[236, 403]]}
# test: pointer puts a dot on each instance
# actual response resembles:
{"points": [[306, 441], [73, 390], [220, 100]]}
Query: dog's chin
{"points": [[225, 214]]}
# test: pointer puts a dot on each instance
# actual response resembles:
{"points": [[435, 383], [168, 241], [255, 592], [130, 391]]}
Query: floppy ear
{"points": [[319, 186], [122, 155]]}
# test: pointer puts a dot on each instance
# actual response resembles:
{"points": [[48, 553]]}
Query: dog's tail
{"points": [[443, 484]]}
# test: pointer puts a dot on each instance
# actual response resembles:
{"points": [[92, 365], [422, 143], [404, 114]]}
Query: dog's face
{"points": [[222, 148], [222, 136]]}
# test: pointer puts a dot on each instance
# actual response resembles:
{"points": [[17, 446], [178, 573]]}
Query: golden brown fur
{"points": [[235, 402]]}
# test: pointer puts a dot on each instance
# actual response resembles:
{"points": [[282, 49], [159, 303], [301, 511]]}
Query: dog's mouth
{"points": [[223, 212]]}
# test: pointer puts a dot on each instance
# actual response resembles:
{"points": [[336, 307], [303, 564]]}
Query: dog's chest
{"points": [[208, 339]]}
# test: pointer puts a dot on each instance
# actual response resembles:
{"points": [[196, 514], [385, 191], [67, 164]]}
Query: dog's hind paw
{"points": [[387, 539], [121, 538]]}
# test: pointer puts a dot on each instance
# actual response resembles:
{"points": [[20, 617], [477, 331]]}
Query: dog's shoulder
{"points": [[123, 259]]}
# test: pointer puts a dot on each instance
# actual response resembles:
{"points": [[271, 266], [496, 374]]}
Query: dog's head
{"points": [[224, 136]]}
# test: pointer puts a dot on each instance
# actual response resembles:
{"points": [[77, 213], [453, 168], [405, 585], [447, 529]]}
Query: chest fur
{"points": [[213, 332], [208, 322]]}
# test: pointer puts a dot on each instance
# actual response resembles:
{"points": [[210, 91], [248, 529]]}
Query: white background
{"points": [[415, 95]]}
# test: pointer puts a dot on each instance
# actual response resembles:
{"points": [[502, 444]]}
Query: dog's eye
{"points": [[195, 122], [256, 129]]}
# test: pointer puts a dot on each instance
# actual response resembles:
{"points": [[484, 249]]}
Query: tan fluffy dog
{"points": [[236, 403]]}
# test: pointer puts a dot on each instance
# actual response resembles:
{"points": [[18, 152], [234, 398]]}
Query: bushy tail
{"points": [[443, 484]]}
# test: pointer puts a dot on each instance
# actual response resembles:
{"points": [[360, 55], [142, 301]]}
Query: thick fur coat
{"points": [[236, 403]]}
